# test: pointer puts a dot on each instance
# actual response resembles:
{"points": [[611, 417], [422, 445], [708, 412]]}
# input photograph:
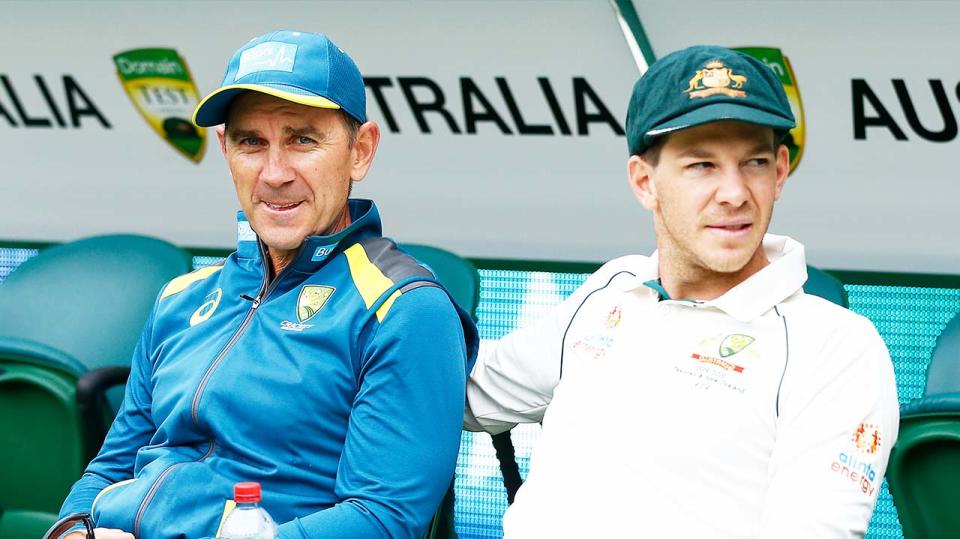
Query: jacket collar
{"points": [[317, 249]]}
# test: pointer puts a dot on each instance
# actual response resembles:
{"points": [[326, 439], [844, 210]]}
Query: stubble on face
{"points": [[291, 166], [715, 187]]}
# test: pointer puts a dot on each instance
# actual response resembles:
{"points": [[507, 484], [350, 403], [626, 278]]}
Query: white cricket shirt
{"points": [[766, 412]]}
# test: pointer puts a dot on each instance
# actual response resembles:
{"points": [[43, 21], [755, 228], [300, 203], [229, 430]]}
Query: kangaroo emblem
{"points": [[716, 78]]}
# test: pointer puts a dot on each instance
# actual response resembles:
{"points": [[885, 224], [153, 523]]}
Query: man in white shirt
{"points": [[722, 400]]}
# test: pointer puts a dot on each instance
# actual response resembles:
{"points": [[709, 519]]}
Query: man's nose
{"points": [[733, 188], [276, 171]]}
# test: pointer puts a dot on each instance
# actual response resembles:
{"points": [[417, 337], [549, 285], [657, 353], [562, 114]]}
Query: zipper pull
{"points": [[255, 301]]}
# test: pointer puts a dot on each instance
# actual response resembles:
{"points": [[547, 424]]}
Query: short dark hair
{"points": [[651, 155], [352, 126]]}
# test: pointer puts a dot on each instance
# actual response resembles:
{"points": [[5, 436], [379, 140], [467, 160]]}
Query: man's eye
{"points": [[702, 165], [250, 141], [304, 140], [758, 162]]}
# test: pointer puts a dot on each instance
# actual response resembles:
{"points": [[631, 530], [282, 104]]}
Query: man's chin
{"points": [[282, 242], [732, 262]]}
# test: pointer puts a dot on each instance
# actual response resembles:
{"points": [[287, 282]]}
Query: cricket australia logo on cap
{"points": [[716, 78], [268, 56]]}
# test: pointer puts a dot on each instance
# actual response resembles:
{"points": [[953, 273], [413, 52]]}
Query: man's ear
{"points": [[783, 168], [639, 174], [365, 147], [221, 136]]}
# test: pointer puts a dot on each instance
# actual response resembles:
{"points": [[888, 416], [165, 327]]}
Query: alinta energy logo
{"points": [[161, 88], [855, 462]]}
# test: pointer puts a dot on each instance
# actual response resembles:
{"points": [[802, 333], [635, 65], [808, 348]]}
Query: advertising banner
{"points": [[503, 122]]}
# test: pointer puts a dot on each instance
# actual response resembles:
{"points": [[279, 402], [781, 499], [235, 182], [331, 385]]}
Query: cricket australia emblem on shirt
{"points": [[731, 344], [312, 299], [714, 365]]}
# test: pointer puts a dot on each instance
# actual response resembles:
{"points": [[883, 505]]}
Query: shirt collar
{"points": [[778, 280]]}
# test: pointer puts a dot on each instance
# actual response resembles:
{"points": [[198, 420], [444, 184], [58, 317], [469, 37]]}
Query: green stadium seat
{"points": [[924, 465], [69, 320], [457, 275], [821, 283]]}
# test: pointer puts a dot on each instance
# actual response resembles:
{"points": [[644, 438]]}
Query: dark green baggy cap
{"points": [[703, 84]]}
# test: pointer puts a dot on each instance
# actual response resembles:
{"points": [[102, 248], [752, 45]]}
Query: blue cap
{"points": [[301, 67]]}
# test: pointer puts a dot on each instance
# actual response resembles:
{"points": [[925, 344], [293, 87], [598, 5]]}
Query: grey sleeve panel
{"points": [[395, 263]]}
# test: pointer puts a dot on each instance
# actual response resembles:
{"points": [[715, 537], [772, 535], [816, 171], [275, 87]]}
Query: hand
{"points": [[101, 533]]}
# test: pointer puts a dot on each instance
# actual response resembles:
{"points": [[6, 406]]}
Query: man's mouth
{"points": [[734, 228], [281, 206]]}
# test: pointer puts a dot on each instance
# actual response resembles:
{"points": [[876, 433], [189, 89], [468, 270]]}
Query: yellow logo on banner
{"points": [[162, 90], [780, 64]]}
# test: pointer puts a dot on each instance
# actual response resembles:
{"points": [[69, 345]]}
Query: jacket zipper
{"points": [[265, 290], [195, 408]]}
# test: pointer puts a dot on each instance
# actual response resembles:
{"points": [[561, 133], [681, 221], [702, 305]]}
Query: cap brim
{"points": [[213, 109], [719, 112]]}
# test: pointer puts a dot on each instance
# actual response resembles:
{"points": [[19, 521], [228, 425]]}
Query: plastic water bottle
{"points": [[248, 520]]}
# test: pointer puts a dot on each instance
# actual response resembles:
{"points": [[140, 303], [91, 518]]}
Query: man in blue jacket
{"points": [[318, 359]]}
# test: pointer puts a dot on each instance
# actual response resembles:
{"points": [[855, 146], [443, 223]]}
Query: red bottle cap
{"points": [[246, 492]]}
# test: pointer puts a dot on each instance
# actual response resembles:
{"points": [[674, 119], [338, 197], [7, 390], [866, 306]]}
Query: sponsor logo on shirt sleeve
{"points": [[597, 344], [854, 464]]}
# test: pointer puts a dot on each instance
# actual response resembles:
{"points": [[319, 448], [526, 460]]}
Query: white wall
{"points": [[875, 204]]}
